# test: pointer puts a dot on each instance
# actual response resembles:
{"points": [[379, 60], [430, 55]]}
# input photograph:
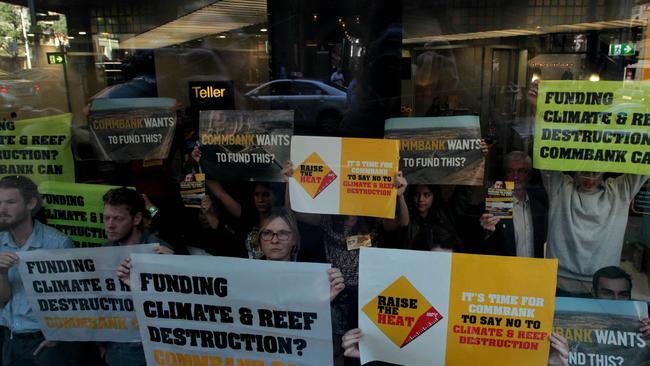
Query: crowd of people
{"points": [[578, 218]]}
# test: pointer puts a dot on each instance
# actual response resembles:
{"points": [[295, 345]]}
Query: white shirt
{"points": [[522, 221]]}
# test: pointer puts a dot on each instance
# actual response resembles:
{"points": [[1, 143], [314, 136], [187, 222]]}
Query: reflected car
{"points": [[316, 104], [18, 93]]}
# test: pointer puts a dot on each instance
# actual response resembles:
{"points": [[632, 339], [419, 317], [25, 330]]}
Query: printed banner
{"points": [[76, 209], [593, 126], [133, 128], [193, 190], [344, 176], [602, 332], [499, 199], [76, 295], [229, 311], [38, 148], [439, 150], [428, 308], [245, 145]]}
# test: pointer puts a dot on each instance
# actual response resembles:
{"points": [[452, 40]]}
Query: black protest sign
{"points": [[245, 145], [133, 128]]}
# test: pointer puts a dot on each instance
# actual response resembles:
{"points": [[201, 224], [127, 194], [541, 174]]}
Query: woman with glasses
{"points": [[279, 240]]}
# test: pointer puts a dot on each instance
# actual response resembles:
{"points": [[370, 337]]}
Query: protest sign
{"points": [[439, 150], [133, 128], [345, 176], [499, 200], [245, 145], [228, 311], [193, 190], [602, 332], [38, 148], [76, 210], [76, 295], [428, 308], [593, 126]]}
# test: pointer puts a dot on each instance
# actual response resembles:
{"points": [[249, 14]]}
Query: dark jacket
{"points": [[502, 241]]}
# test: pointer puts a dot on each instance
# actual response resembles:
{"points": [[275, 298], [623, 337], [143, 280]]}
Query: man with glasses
{"points": [[525, 234], [587, 221]]}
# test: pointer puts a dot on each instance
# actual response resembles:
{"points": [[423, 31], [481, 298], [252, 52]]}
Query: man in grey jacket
{"points": [[587, 221]]}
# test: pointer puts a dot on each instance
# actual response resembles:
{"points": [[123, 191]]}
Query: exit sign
{"points": [[55, 58], [622, 49]]}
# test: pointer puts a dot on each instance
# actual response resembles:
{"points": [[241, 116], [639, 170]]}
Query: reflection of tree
{"points": [[11, 32]]}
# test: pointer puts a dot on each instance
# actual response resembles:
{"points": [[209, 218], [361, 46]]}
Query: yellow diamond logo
{"points": [[401, 312], [314, 175]]}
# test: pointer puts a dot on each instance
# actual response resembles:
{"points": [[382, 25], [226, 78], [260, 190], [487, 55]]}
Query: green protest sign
{"points": [[38, 148], [593, 126], [75, 209]]}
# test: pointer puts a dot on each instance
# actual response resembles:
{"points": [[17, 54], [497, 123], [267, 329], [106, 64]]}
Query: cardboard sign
{"points": [[345, 176], [76, 295], [227, 311], [439, 150], [427, 308], [38, 148], [593, 126]]}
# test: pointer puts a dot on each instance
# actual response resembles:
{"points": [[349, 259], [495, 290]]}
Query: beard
{"points": [[10, 223]]}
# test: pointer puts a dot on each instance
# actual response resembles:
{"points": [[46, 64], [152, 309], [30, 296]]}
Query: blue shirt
{"points": [[17, 314]]}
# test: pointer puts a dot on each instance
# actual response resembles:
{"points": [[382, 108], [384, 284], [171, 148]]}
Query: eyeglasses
{"points": [[282, 235]]}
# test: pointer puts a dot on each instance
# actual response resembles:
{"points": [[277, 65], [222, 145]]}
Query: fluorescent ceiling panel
{"points": [[624, 23], [222, 16]]}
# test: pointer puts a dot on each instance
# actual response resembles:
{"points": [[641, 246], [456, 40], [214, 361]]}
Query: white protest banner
{"points": [[196, 310], [427, 308], [344, 176], [76, 295]]}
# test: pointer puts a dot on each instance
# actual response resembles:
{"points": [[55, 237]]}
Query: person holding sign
{"points": [[123, 223], [525, 234], [587, 221], [280, 241], [613, 283], [24, 343], [429, 225]]}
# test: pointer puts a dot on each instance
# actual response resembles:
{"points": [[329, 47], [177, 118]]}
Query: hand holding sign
{"points": [[350, 343], [7, 260], [559, 354]]}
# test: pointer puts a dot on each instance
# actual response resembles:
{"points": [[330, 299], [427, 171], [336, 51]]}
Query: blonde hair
{"points": [[287, 216]]}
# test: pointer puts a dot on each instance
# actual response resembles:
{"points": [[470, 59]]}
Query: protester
{"points": [[280, 241], [429, 224], [613, 283], [249, 222], [335, 232], [212, 233], [525, 234], [587, 221], [124, 210], [24, 343]]}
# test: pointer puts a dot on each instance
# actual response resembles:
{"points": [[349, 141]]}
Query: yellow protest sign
{"points": [[38, 148], [424, 308], [346, 176], [593, 126]]}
